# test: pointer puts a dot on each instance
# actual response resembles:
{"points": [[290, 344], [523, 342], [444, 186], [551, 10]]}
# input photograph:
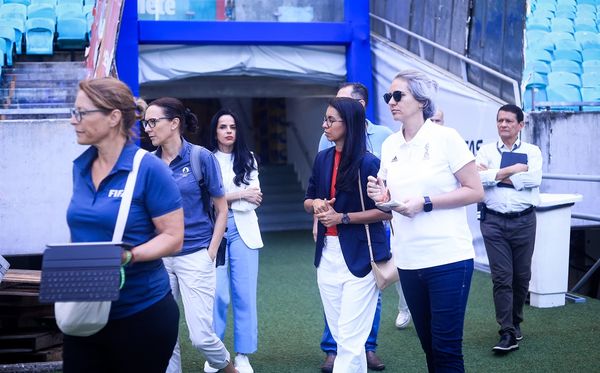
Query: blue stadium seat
{"points": [[534, 35], [591, 54], [69, 10], [560, 35], [568, 54], [566, 66], [41, 11], [547, 13], [585, 24], [568, 44], [16, 11], [538, 55], [591, 94], [591, 65], [7, 42], [533, 95], [556, 78], [39, 36], [22, 2], [538, 23], [583, 8], [590, 79], [47, 2], [545, 5], [566, 13], [562, 25], [72, 33], [539, 67], [80, 2], [19, 27], [587, 39], [591, 2], [564, 93], [571, 3]]}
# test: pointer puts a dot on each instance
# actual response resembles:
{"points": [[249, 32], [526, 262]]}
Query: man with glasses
{"points": [[375, 136]]}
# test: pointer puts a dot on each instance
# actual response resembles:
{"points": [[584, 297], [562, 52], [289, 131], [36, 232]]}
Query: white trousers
{"points": [[349, 303], [193, 277]]}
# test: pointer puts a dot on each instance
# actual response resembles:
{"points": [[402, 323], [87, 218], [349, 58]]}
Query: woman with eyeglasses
{"points": [[192, 272], [428, 173], [143, 322], [237, 280], [347, 286]]}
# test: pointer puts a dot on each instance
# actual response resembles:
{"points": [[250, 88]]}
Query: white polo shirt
{"points": [[425, 166]]}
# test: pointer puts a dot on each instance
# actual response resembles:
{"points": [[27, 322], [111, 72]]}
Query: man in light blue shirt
{"points": [[375, 137]]}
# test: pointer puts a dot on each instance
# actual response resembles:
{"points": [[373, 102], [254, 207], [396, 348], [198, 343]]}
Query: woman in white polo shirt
{"points": [[430, 172]]}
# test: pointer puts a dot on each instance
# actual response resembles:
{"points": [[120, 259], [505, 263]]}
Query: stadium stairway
{"points": [[42, 88], [282, 200]]}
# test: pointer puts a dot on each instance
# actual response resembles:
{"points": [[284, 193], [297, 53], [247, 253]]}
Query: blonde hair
{"points": [[112, 94], [423, 88]]}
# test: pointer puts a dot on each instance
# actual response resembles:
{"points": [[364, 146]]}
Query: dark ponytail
{"points": [[173, 108]]}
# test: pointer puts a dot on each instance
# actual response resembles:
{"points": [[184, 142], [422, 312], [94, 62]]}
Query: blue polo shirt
{"points": [[198, 225], [92, 215]]}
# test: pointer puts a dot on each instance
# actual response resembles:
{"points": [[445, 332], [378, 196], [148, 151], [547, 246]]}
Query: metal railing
{"points": [[463, 59], [569, 177]]}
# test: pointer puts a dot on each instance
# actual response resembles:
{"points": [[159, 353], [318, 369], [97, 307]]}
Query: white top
{"points": [[526, 191], [245, 218], [425, 166]]}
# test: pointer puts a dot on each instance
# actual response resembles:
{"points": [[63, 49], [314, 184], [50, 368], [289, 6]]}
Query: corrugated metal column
{"points": [[358, 52]]}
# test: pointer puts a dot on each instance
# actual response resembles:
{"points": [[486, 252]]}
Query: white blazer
{"points": [[244, 215]]}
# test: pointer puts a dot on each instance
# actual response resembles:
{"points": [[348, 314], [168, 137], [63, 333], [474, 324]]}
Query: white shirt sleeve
{"points": [[532, 178]]}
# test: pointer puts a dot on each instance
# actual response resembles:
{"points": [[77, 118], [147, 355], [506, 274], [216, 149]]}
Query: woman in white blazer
{"points": [[240, 272]]}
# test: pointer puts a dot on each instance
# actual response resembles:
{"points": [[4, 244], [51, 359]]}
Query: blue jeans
{"points": [[237, 284], [329, 346], [437, 299]]}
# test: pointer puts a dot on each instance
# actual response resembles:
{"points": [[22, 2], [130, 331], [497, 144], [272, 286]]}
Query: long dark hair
{"points": [[243, 161], [173, 108], [354, 149]]}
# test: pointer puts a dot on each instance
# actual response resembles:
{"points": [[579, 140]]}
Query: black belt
{"points": [[511, 215]]}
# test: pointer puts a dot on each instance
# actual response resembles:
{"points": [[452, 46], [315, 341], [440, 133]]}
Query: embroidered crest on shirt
{"points": [[426, 154], [185, 171], [395, 159]]}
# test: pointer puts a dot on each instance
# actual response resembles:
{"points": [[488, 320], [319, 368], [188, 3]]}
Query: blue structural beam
{"points": [[243, 33], [358, 52], [127, 54]]}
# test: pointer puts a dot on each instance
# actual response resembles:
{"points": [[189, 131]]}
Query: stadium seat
{"points": [[564, 94], [19, 27], [534, 35], [539, 67], [41, 11], [560, 35], [587, 39], [538, 23], [591, 94], [80, 2], [39, 36], [17, 11], [69, 10], [46, 2], [538, 55], [583, 8], [566, 65], [568, 44], [22, 2], [562, 25], [566, 13], [590, 79], [7, 42], [72, 33], [591, 66], [591, 54], [547, 13], [591, 2], [545, 5], [585, 24], [533, 95], [556, 78], [571, 3], [568, 54]]}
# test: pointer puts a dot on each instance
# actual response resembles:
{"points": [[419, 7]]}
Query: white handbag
{"points": [[82, 319]]}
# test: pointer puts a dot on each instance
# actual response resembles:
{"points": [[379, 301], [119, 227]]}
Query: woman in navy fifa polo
{"points": [[347, 285], [192, 271], [143, 322]]}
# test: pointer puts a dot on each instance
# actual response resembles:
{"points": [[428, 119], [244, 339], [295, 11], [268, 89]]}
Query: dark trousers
{"points": [[509, 244], [329, 346], [142, 342], [437, 299]]}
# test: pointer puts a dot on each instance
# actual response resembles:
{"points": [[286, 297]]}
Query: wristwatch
{"points": [[345, 218], [428, 206]]}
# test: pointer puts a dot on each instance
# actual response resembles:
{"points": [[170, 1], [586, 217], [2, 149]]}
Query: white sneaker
{"points": [[242, 364], [209, 369], [403, 319]]}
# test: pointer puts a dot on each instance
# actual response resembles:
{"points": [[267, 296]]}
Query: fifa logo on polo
{"points": [[115, 193]]}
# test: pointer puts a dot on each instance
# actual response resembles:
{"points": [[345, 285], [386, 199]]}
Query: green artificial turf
{"points": [[562, 339]]}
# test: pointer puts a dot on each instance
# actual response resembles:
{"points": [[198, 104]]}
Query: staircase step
{"points": [[38, 95]]}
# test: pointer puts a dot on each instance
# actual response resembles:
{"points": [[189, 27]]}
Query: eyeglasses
{"points": [[397, 95], [151, 123], [330, 122], [79, 114]]}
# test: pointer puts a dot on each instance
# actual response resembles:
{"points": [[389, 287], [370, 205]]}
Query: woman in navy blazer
{"points": [[347, 286]]}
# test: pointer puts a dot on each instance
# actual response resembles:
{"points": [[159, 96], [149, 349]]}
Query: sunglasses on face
{"points": [[397, 95]]}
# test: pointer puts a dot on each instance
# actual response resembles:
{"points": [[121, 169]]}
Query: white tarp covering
{"points": [[471, 112], [315, 63]]}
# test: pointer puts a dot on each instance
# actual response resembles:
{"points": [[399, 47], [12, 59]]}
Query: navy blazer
{"points": [[353, 237]]}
